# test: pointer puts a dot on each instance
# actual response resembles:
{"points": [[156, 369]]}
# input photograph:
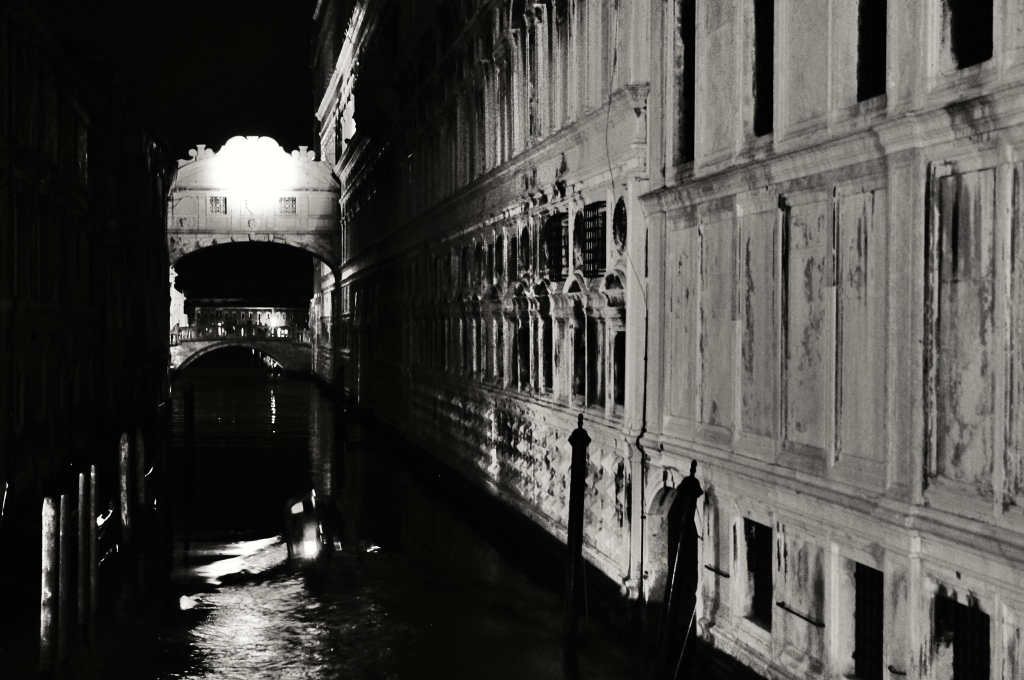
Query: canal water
{"points": [[431, 582]]}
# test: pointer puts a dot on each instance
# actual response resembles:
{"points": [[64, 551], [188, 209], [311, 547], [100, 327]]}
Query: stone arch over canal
{"points": [[292, 356]]}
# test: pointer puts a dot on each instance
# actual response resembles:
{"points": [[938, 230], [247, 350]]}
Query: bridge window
{"points": [[286, 205], [218, 205]]}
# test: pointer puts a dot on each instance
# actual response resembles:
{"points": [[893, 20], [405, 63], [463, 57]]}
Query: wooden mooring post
{"points": [[190, 468], [65, 623], [48, 586], [93, 556], [83, 551], [579, 440]]}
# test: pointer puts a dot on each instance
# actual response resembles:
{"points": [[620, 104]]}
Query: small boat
{"points": [[312, 528]]}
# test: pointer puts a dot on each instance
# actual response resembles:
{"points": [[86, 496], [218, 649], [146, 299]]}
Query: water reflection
{"points": [[416, 592]]}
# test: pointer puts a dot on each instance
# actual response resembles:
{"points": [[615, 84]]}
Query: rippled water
{"points": [[418, 592]]}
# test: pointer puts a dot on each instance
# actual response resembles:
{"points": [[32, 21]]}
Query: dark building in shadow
{"points": [[83, 347]]}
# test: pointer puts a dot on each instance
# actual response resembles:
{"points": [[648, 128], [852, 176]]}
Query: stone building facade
{"points": [[775, 237], [83, 352]]}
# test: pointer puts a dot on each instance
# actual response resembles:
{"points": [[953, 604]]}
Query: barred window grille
{"points": [[759, 566], [557, 240], [594, 239], [966, 628], [286, 205], [868, 623], [218, 205]]}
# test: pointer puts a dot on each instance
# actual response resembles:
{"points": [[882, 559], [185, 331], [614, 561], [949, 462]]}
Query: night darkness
{"points": [[205, 71]]}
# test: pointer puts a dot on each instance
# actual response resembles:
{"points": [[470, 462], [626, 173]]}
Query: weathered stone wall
{"points": [[487, 254], [833, 313], [821, 309]]}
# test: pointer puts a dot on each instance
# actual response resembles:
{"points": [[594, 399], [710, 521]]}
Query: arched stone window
{"points": [[480, 263]]}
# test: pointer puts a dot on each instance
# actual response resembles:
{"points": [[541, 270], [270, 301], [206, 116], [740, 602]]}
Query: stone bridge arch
{"points": [[252, 190], [293, 356]]}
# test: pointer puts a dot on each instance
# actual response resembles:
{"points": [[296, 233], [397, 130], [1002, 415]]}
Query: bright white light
{"points": [[309, 548], [255, 170]]}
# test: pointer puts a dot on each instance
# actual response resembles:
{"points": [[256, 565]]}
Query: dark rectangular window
{"points": [[619, 368], [595, 376], [868, 623], [871, 33], [549, 360], [966, 629], [687, 33], [594, 239], [513, 260], [499, 349], [524, 353], [764, 65], [759, 572], [970, 30], [556, 246], [218, 205], [579, 355]]}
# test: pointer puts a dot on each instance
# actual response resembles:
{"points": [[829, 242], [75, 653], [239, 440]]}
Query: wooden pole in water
{"points": [[48, 583], [83, 551], [124, 479], [579, 440], [93, 582], [190, 454], [64, 597]]}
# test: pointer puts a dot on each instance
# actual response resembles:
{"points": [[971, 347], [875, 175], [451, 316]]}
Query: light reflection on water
{"points": [[416, 594]]}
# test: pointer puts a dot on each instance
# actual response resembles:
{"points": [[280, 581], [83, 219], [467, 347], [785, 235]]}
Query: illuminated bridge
{"points": [[292, 353]]}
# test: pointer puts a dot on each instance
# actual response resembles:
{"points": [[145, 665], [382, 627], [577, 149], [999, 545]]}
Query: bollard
{"points": [[83, 551], [64, 593], [48, 589], [93, 583], [579, 440]]}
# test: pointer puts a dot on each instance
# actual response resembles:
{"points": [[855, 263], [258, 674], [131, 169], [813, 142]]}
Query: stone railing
{"points": [[286, 333]]}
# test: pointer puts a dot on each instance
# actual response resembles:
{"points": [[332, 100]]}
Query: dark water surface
{"points": [[419, 591]]}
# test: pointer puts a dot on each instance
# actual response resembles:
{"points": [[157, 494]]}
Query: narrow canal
{"points": [[423, 588]]}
